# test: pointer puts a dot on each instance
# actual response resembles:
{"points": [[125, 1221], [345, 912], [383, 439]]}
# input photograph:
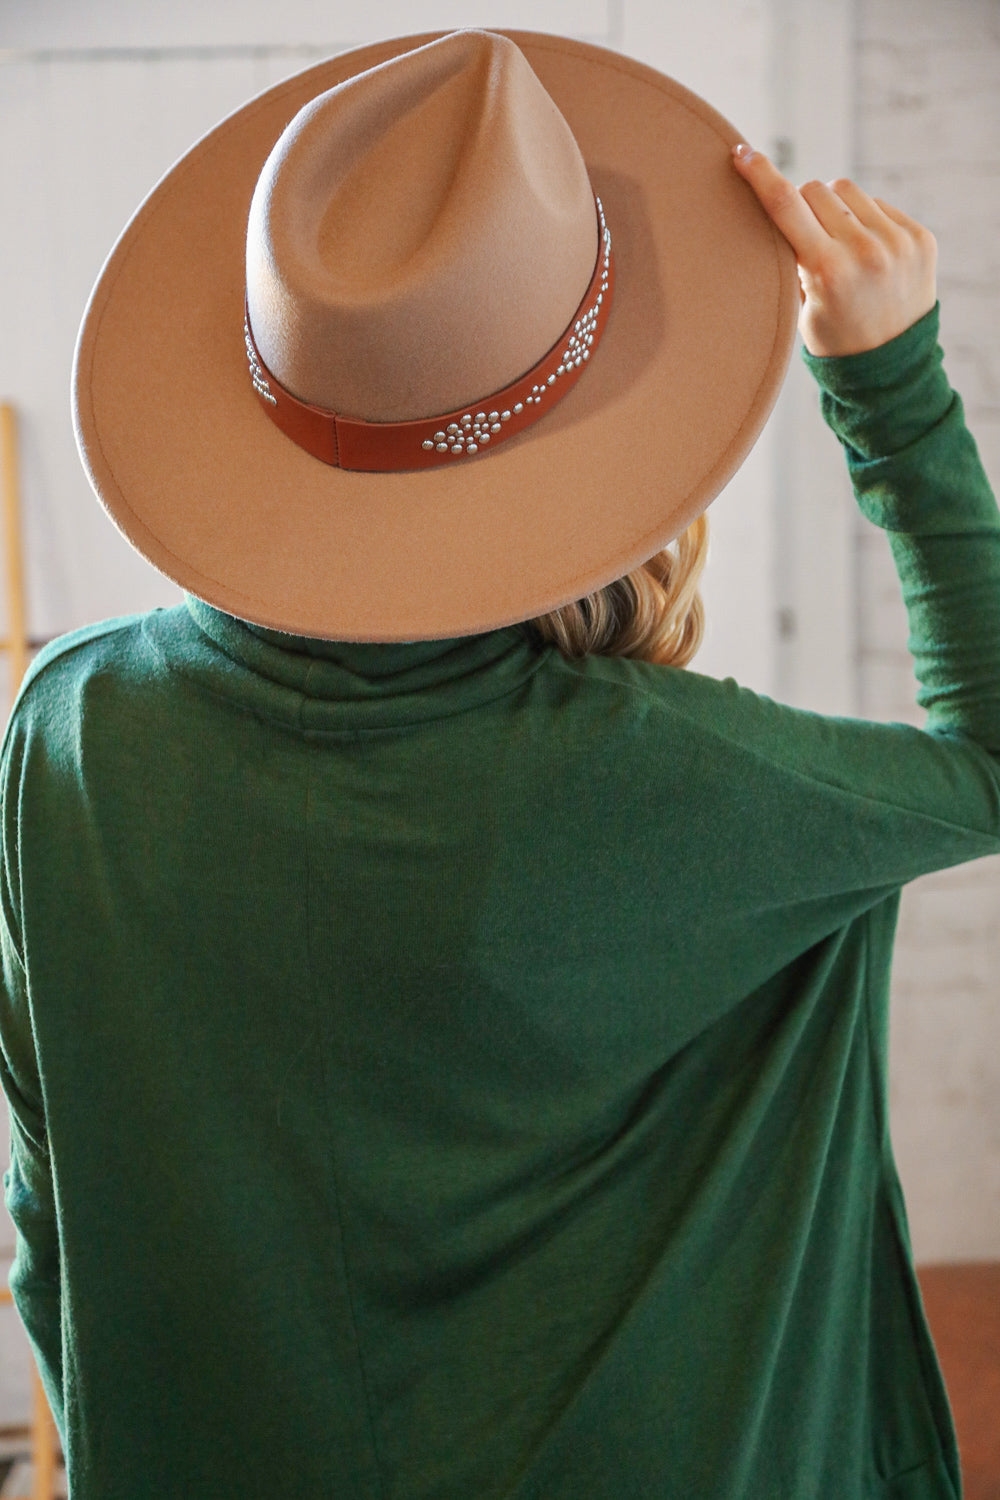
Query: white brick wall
{"points": [[928, 139], [927, 129]]}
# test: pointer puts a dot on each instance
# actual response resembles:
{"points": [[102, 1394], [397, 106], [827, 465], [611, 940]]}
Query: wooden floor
{"points": [[963, 1310]]}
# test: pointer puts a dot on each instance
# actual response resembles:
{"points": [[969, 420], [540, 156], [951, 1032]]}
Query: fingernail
{"points": [[743, 153]]}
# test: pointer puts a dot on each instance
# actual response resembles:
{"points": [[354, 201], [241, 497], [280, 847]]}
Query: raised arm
{"points": [[869, 321]]}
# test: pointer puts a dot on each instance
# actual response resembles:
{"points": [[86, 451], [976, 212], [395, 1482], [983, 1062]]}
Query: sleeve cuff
{"points": [[884, 400], [847, 375]]}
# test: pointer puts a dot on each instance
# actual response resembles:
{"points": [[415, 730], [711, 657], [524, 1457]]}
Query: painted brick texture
{"points": [[928, 140]]}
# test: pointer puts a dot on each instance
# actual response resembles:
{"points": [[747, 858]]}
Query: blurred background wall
{"points": [[927, 136], [99, 97]]}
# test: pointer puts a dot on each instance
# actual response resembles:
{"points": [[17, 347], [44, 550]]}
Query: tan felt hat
{"points": [[434, 337]]}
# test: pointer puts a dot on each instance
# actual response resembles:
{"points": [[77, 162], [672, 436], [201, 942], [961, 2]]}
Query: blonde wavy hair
{"points": [[655, 613]]}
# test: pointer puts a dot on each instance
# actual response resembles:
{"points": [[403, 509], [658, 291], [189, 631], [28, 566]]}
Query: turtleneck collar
{"points": [[365, 659], [342, 685]]}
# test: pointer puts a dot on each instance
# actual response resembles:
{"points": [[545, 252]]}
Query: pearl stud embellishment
{"points": [[470, 433], [257, 374], [383, 447]]}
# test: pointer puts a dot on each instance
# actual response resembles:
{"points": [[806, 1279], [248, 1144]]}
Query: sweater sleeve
{"points": [[846, 806], [917, 474]]}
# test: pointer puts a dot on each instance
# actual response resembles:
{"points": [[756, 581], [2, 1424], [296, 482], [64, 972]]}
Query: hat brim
{"points": [[209, 491]]}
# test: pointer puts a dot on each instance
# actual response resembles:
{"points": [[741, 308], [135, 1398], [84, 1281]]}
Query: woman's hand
{"points": [[867, 269]]}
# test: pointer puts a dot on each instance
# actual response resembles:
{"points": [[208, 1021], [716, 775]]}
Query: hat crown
{"points": [[420, 235]]}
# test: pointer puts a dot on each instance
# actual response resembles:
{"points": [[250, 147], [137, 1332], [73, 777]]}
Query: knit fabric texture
{"points": [[448, 1071]]}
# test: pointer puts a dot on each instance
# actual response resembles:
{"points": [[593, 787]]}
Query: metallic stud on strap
{"points": [[257, 375], [354, 443], [463, 441]]}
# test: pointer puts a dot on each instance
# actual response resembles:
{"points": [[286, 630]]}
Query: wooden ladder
{"points": [[41, 1432]]}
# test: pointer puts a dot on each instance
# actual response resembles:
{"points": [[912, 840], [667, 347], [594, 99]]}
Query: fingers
{"points": [[866, 210], [849, 215], [866, 270], [833, 212], [918, 230], [840, 208], [790, 211]]}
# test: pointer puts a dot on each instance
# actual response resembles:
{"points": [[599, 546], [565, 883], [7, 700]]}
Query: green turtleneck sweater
{"points": [[451, 1072]]}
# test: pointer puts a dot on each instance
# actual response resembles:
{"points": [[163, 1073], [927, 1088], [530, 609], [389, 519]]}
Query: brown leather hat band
{"points": [[349, 443]]}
